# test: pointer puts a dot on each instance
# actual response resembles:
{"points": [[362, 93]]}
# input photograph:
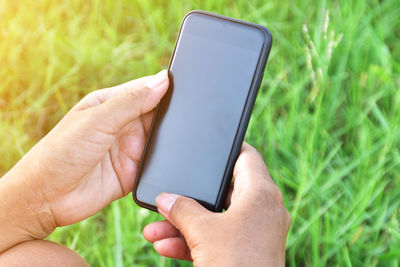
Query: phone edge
{"points": [[244, 120], [137, 178]]}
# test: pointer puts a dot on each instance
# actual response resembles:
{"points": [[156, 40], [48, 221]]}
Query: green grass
{"points": [[327, 118]]}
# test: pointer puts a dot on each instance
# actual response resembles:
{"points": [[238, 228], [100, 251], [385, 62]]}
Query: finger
{"points": [[174, 247], [129, 105], [253, 187], [146, 121], [250, 174], [250, 166], [100, 96], [160, 230], [182, 212]]}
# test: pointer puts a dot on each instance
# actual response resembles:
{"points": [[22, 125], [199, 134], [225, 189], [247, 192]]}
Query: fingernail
{"points": [[157, 80], [165, 201], [155, 245]]}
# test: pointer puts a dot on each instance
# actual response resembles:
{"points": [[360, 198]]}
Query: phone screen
{"points": [[191, 140]]}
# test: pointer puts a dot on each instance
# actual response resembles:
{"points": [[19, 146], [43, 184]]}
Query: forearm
{"points": [[23, 213]]}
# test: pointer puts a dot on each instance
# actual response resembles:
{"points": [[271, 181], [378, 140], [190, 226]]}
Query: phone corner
{"points": [[270, 39], [267, 35], [141, 203], [192, 12], [135, 198]]}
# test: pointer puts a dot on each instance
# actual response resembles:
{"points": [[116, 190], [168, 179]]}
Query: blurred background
{"points": [[326, 120]]}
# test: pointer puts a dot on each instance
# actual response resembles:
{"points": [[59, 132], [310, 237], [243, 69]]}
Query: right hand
{"points": [[252, 232]]}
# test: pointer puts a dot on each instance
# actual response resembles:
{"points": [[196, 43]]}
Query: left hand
{"points": [[91, 157]]}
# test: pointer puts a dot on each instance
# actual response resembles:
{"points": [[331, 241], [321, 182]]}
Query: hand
{"points": [[252, 232], [88, 160]]}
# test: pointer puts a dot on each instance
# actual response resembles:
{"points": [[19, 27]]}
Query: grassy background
{"points": [[327, 118]]}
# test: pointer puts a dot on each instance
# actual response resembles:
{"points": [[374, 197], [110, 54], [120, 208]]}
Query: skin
{"points": [[41, 253], [252, 231], [91, 158], [88, 160]]}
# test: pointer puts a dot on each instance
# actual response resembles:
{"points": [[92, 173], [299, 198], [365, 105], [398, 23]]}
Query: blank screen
{"points": [[192, 138]]}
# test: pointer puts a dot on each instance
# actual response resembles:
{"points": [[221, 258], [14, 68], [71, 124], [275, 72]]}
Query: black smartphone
{"points": [[199, 125]]}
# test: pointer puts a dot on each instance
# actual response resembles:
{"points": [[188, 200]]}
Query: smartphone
{"points": [[198, 127]]}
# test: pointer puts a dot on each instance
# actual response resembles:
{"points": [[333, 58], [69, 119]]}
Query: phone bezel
{"points": [[244, 120]]}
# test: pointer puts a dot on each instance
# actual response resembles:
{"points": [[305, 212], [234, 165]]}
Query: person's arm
{"points": [[88, 160], [23, 213], [252, 231]]}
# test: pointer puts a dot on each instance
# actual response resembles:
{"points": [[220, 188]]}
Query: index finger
{"points": [[251, 179], [250, 165]]}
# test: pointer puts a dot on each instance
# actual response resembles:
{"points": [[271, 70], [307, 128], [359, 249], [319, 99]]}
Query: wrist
{"points": [[24, 213]]}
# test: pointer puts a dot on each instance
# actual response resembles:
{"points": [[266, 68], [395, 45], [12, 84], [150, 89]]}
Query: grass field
{"points": [[327, 118]]}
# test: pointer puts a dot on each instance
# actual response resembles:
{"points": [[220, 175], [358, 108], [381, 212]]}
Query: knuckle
{"points": [[270, 198], [136, 93], [89, 95], [96, 96], [263, 190], [133, 94], [185, 218], [135, 97], [277, 195], [93, 93], [269, 193], [181, 205], [91, 99], [273, 193]]}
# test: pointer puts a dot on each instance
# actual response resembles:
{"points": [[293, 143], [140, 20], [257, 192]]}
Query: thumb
{"points": [[182, 212], [142, 97]]}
